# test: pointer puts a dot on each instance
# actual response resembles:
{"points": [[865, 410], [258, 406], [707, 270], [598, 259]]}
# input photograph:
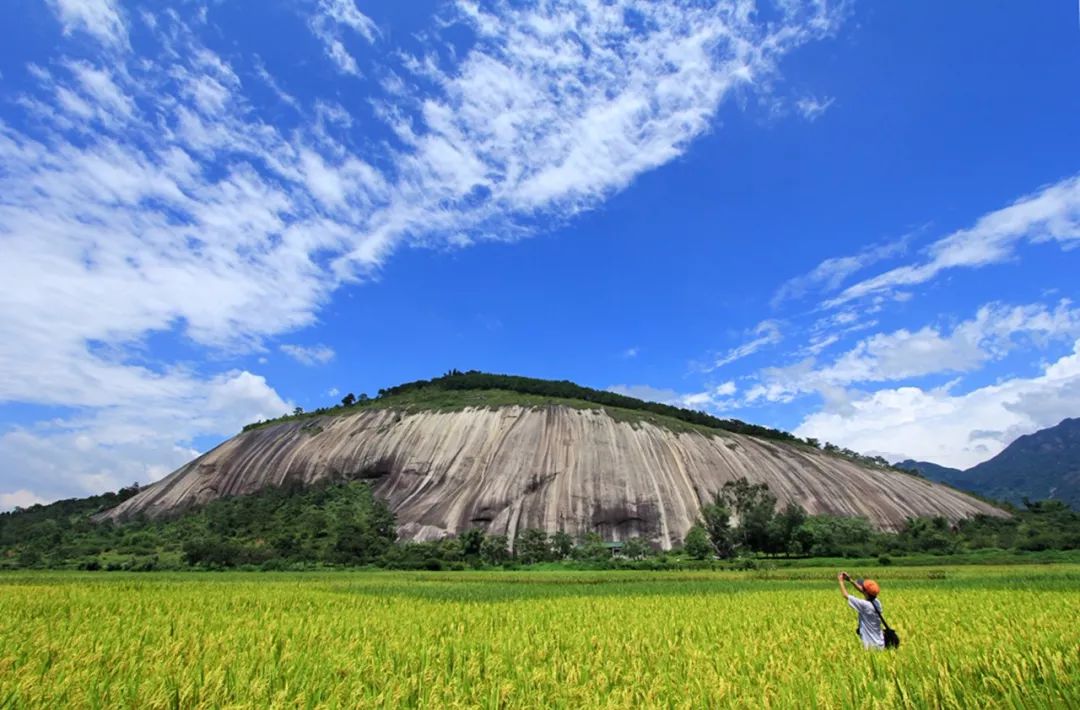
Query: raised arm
{"points": [[840, 577]]}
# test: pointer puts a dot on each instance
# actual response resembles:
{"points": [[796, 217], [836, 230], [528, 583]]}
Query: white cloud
{"points": [[309, 354], [330, 16], [101, 18], [710, 399], [345, 12], [145, 195], [631, 352], [765, 333], [830, 274], [646, 392], [141, 434], [716, 398], [951, 429], [1052, 214], [989, 335], [903, 354], [726, 389], [345, 61], [104, 95], [267, 78], [812, 108], [559, 105], [19, 499]]}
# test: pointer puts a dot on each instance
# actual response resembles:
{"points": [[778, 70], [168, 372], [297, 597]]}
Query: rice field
{"points": [[972, 637]]}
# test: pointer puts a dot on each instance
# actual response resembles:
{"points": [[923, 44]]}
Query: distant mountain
{"points": [[1037, 466], [1045, 464], [933, 471]]}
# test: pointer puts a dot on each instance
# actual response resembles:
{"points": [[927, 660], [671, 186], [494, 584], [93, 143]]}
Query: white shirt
{"points": [[869, 622]]}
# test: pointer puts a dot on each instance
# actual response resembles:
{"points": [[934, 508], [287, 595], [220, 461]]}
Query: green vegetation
{"points": [[762, 529], [491, 390], [340, 524], [772, 639], [335, 523]]}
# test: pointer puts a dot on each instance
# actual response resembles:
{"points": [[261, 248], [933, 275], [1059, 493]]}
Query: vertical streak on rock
{"points": [[650, 473]]}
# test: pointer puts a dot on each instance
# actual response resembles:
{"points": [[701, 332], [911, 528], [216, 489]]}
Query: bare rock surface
{"points": [[553, 468]]}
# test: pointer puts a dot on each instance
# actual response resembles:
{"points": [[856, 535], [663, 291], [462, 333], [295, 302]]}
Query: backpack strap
{"points": [[878, 610]]}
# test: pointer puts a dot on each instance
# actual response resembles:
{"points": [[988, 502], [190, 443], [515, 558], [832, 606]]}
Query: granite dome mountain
{"points": [[508, 453]]}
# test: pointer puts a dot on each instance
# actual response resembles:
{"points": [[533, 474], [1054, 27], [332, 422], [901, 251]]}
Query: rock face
{"points": [[553, 468]]}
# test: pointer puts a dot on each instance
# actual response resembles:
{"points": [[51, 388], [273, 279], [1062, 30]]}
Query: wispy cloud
{"points": [[725, 389], [716, 398], [345, 12], [994, 332], [765, 333], [561, 104], [647, 393], [812, 108], [830, 274], [285, 97], [134, 427], [1052, 214], [309, 355], [100, 18], [951, 428], [146, 193], [327, 23], [21, 498], [497, 140], [631, 352]]}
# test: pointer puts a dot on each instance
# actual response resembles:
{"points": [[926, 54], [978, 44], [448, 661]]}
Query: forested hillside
{"points": [[342, 525]]}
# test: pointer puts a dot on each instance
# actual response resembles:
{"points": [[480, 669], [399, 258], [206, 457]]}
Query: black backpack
{"points": [[892, 639]]}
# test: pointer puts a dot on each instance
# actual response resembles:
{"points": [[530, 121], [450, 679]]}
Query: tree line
{"points": [[563, 389], [745, 518], [476, 380], [342, 524]]}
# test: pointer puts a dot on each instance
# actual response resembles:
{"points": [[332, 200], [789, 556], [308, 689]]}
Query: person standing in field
{"points": [[869, 609]]}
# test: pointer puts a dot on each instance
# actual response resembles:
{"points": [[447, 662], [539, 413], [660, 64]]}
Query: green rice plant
{"points": [[972, 637]]}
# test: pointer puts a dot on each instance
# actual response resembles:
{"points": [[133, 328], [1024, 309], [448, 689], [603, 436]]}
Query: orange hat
{"points": [[871, 587]]}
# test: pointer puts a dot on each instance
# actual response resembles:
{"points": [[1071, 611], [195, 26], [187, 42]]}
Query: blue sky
{"points": [[854, 221]]}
